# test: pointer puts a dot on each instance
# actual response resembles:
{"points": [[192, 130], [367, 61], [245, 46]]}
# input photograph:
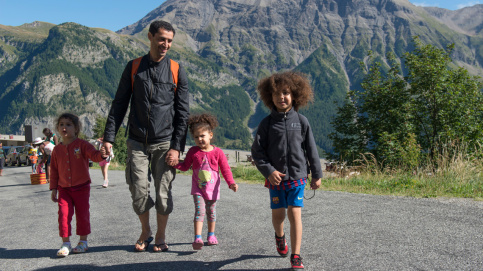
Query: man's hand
{"points": [[276, 177], [172, 157], [107, 146], [53, 196], [315, 184]]}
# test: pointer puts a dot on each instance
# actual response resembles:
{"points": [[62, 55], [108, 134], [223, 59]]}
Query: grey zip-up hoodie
{"points": [[279, 145]]}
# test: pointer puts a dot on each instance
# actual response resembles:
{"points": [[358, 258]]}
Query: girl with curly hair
{"points": [[285, 153], [206, 160]]}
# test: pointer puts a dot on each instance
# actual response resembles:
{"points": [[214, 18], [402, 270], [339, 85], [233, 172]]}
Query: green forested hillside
{"points": [[56, 76]]}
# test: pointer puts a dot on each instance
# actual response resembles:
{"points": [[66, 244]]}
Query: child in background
{"points": [[206, 159], [70, 181], [285, 153], [33, 157], [104, 164], [40, 162]]}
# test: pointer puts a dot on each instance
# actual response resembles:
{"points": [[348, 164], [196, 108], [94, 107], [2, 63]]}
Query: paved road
{"points": [[342, 231]]}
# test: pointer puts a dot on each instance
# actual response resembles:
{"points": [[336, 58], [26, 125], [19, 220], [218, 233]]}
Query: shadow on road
{"points": [[26, 253], [12, 185], [162, 265]]}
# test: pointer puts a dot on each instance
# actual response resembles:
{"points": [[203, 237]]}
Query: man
{"points": [[157, 130]]}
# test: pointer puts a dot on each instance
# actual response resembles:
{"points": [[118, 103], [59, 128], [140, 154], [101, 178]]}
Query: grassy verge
{"points": [[465, 182], [462, 179], [411, 185]]}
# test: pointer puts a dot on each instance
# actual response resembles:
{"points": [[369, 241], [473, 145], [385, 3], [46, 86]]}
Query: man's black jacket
{"points": [[158, 113]]}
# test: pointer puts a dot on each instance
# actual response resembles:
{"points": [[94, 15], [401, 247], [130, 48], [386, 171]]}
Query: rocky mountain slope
{"points": [[73, 68], [324, 38], [466, 20], [226, 46]]}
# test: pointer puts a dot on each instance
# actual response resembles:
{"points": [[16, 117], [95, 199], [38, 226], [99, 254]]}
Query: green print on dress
{"points": [[205, 174]]}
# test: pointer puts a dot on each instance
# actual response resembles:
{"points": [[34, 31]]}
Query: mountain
{"points": [[325, 39], [466, 20], [18, 42], [61, 68], [226, 46]]}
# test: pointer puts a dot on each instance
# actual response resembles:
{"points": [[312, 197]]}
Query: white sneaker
{"points": [[64, 250], [106, 183]]}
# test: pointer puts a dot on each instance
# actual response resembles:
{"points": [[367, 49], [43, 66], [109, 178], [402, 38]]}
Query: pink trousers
{"points": [[74, 199]]}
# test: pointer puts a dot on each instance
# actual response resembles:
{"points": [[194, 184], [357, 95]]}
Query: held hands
{"points": [[104, 152], [53, 196], [107, 148], [315, 184], [276, 177], [172, 157], [234, 187]]}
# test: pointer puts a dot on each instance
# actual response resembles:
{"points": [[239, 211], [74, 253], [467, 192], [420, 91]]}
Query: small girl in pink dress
{"points": [[207, 160]]}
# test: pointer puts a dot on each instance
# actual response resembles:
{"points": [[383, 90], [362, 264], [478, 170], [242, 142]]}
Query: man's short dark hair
{"points": [[156, 25]]}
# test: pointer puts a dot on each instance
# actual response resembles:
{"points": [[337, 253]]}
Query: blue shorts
{"points": [[284, 198]]}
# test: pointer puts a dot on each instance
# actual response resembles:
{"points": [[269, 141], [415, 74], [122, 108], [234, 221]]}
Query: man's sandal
{"points": [[145, 243], [80, 248], [160, 247], [64, 251]]}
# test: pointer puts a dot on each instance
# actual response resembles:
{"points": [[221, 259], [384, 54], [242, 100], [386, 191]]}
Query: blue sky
{"points": [[116, 14]]}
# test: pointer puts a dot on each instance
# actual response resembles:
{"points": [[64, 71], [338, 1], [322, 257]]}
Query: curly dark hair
{"points": [[204, 121], [298, 84], [75, 120]]}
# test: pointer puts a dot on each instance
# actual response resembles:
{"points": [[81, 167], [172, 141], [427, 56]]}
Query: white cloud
{"points": [[423, 4], [469, 4]]}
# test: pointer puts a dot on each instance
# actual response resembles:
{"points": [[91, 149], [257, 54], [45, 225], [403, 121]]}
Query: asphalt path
{"points": [[342, 231]]}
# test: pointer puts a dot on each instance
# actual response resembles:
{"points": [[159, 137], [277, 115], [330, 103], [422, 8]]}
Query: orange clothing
{"points": [[33, 158], [69, 164]]}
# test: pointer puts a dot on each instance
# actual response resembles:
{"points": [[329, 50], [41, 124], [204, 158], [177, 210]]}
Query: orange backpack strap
{"points": [[134, 70], [135, 65], [174, 72]]}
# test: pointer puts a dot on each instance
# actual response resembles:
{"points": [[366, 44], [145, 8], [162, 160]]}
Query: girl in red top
{"points": [[70, 181], [207, 160]]}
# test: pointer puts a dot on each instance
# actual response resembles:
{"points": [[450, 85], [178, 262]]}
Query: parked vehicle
{"points": [[17, 155], [23, 156], [6, 151]]}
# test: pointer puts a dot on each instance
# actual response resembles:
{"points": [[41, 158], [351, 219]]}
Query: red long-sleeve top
{"points": [[69, 164]]}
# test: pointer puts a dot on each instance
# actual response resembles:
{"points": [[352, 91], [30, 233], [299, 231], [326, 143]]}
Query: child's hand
{"points": [[103, 152], [315, 184], [172, 157], [276, 177], [53, 196], [172, 162], [107, 146], [234, 187]]}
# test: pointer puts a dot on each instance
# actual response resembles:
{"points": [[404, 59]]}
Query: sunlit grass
{"points": [[454, 174]]}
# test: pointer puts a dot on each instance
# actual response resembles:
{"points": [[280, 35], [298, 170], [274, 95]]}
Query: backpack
{"points": [[174, 71], [134, 70]]}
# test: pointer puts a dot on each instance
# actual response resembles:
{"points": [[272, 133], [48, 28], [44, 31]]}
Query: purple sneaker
{"points": [[212, 241], [198, 244]]}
